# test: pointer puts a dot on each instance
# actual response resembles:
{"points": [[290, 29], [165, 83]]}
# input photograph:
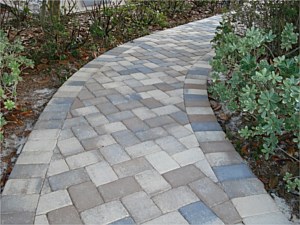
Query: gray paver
{"points": [[17, 218], [183, 175], [243, 187], [227, 213], [170, 145], [57, 166], [189, 156], [114, 154], [70, 146], [16, 203], [66, 215], [140, 200], [83, 159], [23, 186], [209, 192], [270, 218], [132, 167], [254, 205], [152, 182], [125, 138], [101, 173], [29, 171], [64, 180], [162, 162], [119, 188], [142, 149], [85, 196], [84, 132], [34, 158], [52, 201], [105, 213], [174, 199]]}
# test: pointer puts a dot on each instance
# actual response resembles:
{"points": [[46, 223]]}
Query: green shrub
{"points": [[268, 15], [264, 88], [11, 65]]}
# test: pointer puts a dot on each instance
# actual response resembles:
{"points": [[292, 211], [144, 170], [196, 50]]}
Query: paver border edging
{"points": [[233, 174]]}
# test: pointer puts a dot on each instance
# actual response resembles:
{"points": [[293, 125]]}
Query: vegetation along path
{"points": [[131, 139]]}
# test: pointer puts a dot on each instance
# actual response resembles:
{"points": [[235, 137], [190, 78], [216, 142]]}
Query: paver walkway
{"points": [[131, 138]]}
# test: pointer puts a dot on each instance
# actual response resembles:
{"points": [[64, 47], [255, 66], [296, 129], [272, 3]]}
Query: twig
{"points": [[288, 154]]}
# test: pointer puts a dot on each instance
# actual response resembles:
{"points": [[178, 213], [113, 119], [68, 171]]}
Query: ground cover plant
{"points": [[256, 78], [59, 42]]}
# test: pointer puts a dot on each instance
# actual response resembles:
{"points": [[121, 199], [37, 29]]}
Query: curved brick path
{"points": [[131, 138]]}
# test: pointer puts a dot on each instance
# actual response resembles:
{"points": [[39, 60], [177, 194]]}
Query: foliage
{"points": [[268, 15], [11, 65], [292, 183], [264, 88]]}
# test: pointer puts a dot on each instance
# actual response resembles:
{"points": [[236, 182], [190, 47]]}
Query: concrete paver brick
{"points": [[98, 142], [189, 141], [209, 192], [23, 186], [233, 172], [170, 145], [96, 119], [132, 167], [125, 138], [183, 176], [135, 124], [114, 154], [83, 159], [254, 205], [270, 218], [85, 196], [141, 149], [28, 171], [34, 158], [162, 162], [227, 213], [41, 220], [39, 145], [48, 134], [52, 201], [177, 131], [17, 218], [151, 134], [223, 158], [119, 188], [143, 113], [243, 187], [18, 204], [216, 146], [140, 200], [174, 199], [64, 180], [84, 132], [57, 166], [70, 146], [84, 111], [189, 156], [105, 213], [101, 173], [66, 215], [152, 182]]}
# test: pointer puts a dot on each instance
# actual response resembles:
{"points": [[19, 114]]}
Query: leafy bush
{"points": [[268, 15], [11, 65], [264, 88]]}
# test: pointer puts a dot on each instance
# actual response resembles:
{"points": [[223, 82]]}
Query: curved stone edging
{"points": [[230, 170], [130, 101]]}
